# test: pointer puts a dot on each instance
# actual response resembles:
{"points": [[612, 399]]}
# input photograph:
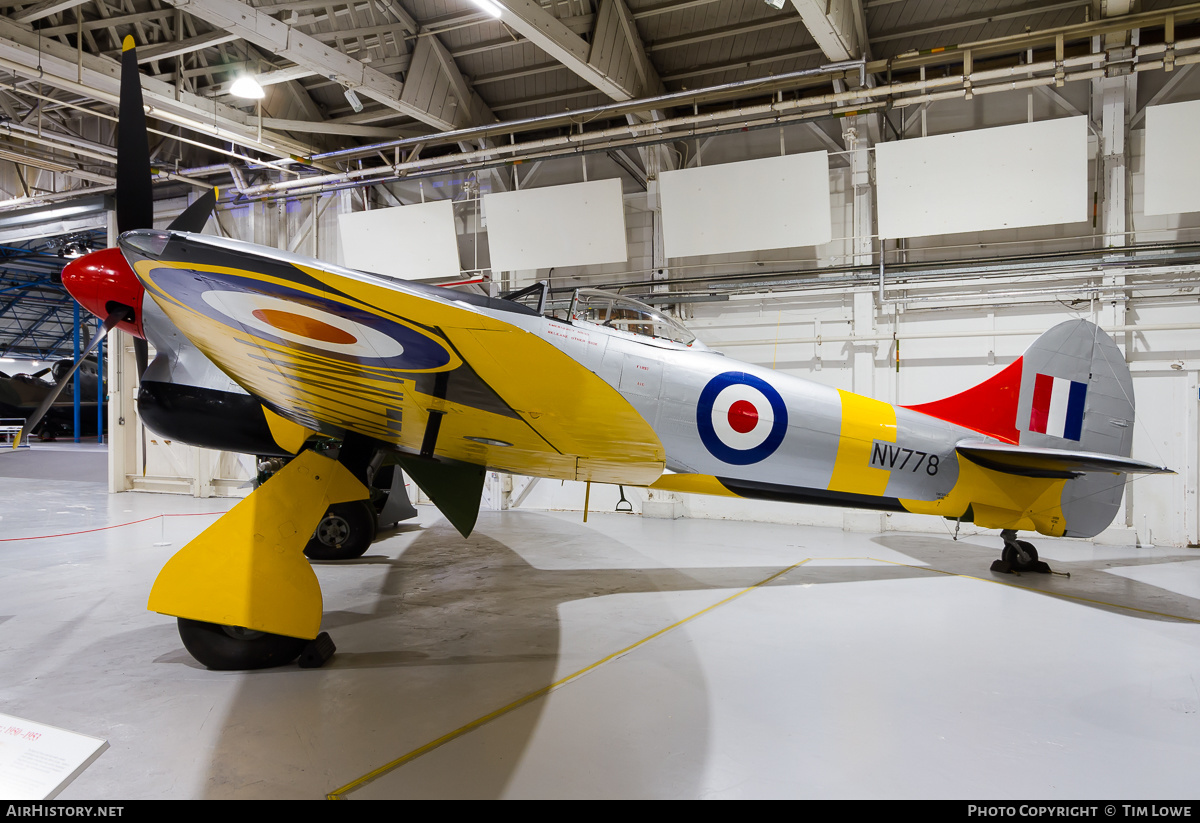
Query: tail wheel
{"points": [[232, 648], [345, 532], [1011, 556]]}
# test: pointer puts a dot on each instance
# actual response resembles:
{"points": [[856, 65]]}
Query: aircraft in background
{"points": [[271, 352], [21, 394]]}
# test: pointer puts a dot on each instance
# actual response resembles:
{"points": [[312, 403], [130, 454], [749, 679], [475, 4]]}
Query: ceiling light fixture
{"points": [[353, 100], [247, 88], [491, 8], [775, 4]]}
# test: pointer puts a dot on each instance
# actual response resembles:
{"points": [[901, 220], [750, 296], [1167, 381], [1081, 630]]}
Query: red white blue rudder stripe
{"points": [[1057, 407]]}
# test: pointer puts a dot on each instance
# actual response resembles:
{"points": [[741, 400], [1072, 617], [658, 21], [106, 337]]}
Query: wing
{"points": [[1028, 461], [332, 349]]}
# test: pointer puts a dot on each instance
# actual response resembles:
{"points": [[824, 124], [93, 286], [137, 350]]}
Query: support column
{"points": [[858, 144], [1115, 97], [857, 137], [122, 411]]}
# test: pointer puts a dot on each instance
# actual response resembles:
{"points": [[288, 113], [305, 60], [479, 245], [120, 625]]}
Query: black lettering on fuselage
{"points": [[885, 456]]}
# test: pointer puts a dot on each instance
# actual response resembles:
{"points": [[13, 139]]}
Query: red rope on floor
{"points": [[103, 528]]}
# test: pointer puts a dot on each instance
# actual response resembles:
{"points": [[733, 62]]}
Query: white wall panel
{"points": [[772, 203], [579, 224], [1030, 174], [407, 242], [1172, 162]]}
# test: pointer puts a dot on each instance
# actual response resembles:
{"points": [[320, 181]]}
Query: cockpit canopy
{"points": [[619, 312]]}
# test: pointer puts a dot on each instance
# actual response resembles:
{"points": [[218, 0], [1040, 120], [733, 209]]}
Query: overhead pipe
{"points": [[624, 107], [212, 130], [658, 130], [1020, 42], [486, 158], [949, 335], [1136, 257]]}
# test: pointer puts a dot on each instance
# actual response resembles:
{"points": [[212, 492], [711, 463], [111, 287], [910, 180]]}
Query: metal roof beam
{"points": [[34, 325], [106, 22], [161, 51], [614, 62], [761, 60], [44, 9], [329, 127], [302, 49], [434, 80], [53, 64], [719, 33], [267, 78], [832, 24], [667, 8], [979, 20]]}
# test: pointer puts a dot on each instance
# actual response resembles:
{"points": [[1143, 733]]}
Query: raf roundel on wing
{"points": [[741, 418], [317, 324]]}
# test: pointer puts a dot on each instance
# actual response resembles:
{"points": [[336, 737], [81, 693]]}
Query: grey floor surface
{"points": [[621, 658]]}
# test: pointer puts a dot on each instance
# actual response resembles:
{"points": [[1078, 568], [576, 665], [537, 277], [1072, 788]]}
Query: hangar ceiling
{"points": [[444, 77]]}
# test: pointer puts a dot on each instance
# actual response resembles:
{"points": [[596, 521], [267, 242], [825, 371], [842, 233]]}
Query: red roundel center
{"points": [[303, 326], [742, 416]]}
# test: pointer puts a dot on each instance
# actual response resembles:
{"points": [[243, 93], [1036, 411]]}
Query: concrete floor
{"points": [[545, 657]]}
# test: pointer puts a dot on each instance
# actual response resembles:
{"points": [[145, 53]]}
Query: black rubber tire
{"points": [[345, 532], [231, 648], [1010, 556]]}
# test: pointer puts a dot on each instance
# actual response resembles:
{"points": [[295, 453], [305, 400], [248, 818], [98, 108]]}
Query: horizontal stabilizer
{"points": [[1031, 461]]}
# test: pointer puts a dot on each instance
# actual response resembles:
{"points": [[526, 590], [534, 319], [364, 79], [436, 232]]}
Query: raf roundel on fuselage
{"points": [[741, 418]]}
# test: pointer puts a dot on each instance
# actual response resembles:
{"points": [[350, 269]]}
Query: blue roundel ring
{"points": [[708, 435], [419, 352]]}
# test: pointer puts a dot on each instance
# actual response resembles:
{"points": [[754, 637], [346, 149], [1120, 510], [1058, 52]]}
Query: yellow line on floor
{"points": [[354, 785], [1063, 595]]}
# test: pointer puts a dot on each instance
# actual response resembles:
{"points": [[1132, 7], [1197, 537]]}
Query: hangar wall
{"points": [[842, 333]]}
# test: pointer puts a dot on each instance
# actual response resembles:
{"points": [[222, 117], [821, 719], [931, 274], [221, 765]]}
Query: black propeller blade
{"points": [[141, 351], [109, 323], [135, 198], [135, 210], [196, 215]]}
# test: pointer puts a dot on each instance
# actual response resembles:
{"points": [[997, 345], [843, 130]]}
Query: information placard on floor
{"points": [[38, 761]]}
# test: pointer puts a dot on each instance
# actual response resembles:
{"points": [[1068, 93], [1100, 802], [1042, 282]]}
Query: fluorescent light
{"points": [[353, 100], [491, 8], [247, 87]]}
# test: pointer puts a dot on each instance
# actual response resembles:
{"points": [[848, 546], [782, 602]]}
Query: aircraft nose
{"points": [[102, 282]]}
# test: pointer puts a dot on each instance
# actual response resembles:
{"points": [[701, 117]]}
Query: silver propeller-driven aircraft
{"points": [[266, 352]]}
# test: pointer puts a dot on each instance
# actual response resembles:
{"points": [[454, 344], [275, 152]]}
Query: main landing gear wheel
{"points": [[232, 648], [345, 532], [1018, 556]]}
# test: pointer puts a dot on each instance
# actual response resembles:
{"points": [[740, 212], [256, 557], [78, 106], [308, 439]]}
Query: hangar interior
{"points": [[889, 197]]}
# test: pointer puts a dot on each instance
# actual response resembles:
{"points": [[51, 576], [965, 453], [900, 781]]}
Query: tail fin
{"points": [[1077, 393], [1071, 391]]}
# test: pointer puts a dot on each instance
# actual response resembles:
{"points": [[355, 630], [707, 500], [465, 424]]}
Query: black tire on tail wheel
{"points": [[345, 532], [1013, 558], [232, 648]]}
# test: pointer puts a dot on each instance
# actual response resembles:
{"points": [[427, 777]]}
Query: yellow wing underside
{"points": [[567, 422]]}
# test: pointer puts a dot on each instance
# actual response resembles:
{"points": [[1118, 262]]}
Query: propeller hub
{"points": [[102, 282]]}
